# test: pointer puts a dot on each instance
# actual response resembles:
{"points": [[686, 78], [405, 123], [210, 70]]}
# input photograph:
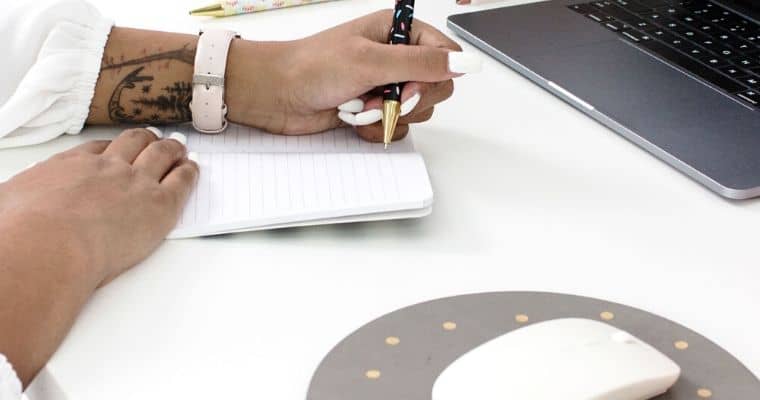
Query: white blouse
{"points": [[51, 52], [10, 386]]}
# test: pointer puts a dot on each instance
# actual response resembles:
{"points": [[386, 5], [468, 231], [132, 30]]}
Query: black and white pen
{"points": [[401, 34]]}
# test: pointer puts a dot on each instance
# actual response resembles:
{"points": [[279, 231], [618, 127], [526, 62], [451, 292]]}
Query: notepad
{"points": [[251, 180]]}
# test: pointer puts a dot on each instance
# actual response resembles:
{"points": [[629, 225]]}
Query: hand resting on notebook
{"points": [[292, 87], [74, 222]]}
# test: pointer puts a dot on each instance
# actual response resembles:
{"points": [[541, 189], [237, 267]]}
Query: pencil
{"points": [[235, 7]]}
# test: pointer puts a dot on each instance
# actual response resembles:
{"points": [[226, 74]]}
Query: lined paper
{"points": [[238, 138], [252, 180]]}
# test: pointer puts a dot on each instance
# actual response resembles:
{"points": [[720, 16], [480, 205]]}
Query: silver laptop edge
{"points": [[588, 109]]}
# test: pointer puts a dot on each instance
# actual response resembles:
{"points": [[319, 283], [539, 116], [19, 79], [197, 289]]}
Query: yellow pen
{"points": [[235, 7]]}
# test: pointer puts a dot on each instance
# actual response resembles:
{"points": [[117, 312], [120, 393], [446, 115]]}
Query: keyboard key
{"points": [[752, 37], [634, 8], [733, 72], [615, 26], [636, 36], [713, 61], [746, 62], [664, 35], [652, 3], [580, 8], [600, 4], [623, 15], [654, 17], [751, 97], [599, 17], [711, 45], [751, 81], [694, 67]]}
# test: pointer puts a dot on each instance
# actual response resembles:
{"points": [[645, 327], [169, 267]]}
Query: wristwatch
{"points": [[207, 106]]}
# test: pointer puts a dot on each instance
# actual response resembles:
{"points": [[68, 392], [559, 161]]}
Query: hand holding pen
{"points": [[427, 65]]}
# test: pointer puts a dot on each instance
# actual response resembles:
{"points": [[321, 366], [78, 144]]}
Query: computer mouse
{"points": [[570, 359]]}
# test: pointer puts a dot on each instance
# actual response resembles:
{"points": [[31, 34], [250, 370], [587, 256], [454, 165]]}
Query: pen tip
{"points": [[386, 146]]}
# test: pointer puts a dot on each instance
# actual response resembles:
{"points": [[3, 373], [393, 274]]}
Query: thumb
{"points": [[399, 63]]}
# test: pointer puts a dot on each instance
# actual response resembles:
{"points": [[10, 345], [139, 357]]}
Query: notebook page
{"points": [[243, 191], [241, 139]]}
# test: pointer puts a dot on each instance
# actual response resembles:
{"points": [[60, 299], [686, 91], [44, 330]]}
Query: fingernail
{"points": [[179, 137], [408, 106], [368, 117], [347, 117], [193, 156], [464, 63], [354, 106], [156, 131]]}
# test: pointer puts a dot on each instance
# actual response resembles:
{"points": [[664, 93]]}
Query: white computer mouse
{"points": [[569, 359]]}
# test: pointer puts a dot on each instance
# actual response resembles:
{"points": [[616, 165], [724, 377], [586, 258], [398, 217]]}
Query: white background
{"points": [[530, 195]]}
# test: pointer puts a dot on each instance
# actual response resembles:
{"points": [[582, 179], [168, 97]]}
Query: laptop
{"points": [[679, 78]]}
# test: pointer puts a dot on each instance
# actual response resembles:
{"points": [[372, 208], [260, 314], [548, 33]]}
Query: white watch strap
{"points": [[207, 106]]}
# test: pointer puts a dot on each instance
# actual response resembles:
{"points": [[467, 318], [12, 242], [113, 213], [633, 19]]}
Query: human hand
{"points": [[114, 202], [296, 87]]}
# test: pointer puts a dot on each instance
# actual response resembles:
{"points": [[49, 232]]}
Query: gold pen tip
{"points": [[391, 113]]}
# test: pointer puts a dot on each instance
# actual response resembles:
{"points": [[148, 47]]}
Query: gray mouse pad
{"points": [[400, 355]]}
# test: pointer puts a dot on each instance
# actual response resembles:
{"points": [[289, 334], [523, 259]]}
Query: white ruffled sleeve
{"points": [[52, 51], [10, 386]]}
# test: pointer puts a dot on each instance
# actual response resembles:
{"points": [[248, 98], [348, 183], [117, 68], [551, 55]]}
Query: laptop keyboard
{"points": [[709, 41]]}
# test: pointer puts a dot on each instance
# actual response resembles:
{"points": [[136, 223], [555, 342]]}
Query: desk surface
{"points": [[530, 195]]}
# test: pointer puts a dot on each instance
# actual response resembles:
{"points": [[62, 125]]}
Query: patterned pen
{"points": [[400, 34]]}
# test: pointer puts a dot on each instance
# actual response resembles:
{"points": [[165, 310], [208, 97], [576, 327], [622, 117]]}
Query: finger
{"points": [[431, 95], [132, 142], [379, 24], [409, 105], [374, 115], [418, 117], [181, 180], [354, 106], [418, 96], [160, 156], [364, 118], [386, 64], [374, 133], [410, 90], [426, 35], [94, 147], [390, 63], [347, 117]]}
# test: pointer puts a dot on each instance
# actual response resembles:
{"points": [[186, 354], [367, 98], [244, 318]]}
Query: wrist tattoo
{"points": [[136, 98]]}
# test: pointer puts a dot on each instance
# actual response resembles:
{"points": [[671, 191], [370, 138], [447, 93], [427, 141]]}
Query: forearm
{"points": [[146, 78], [46, 280]]}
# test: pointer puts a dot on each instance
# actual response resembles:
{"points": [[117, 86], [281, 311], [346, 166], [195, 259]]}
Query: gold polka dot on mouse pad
{"points": [[400, 355]]}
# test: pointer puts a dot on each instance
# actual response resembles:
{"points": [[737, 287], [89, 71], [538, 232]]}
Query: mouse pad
{"points": [[400, 355]]}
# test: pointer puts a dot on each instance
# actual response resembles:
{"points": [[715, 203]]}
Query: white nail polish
{"points": [[369, 117], [408, 106], [179, 137], [193, 156], [156, 131], [464, 63], [354, 106], [347, 117]]}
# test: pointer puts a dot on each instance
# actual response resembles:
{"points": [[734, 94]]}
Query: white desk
{"points": [[530, 195]]}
